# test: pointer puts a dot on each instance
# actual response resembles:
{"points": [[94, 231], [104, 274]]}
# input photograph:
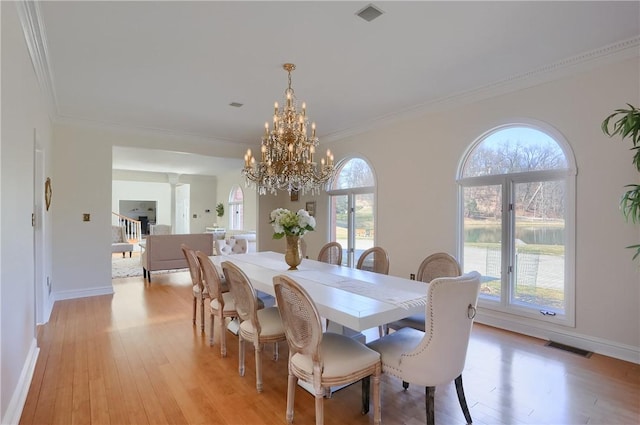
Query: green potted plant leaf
{"points": [[627, 125], [220, 209]]}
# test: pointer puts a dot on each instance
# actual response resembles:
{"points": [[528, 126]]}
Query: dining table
{"points": [[354, 299]]}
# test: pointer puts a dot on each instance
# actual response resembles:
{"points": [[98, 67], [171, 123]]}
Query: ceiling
{"points": [[174, 67]]}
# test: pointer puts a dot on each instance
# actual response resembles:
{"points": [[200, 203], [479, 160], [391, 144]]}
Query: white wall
{"points": [[225, 182], [23, 111], [416, 161], [155, 186], [203, 197], [143, 191], [82, 262]]}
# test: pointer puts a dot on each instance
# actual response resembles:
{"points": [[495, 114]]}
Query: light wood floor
{"points": [[136, 358]]}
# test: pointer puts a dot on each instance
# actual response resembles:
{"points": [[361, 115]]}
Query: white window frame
{"points": [[233, 206], [351, 195], [507, 182]]}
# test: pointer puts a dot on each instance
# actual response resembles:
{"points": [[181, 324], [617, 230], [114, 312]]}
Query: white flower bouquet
{"points": [[288, 223]]}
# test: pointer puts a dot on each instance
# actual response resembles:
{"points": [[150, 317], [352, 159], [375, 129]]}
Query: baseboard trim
{"points": [[83, 293], [19, 397], [597, 345]]}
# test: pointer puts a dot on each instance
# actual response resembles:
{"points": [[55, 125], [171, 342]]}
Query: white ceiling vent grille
{"points": [[369, 13]]}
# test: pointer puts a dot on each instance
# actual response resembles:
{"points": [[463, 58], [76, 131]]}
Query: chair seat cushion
{"points": [[121, 247], [392, 346], [270, 323], [229, 303], [416, 321], [341, 356]]}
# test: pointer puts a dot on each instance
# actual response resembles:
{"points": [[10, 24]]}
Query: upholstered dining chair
{"points": [[259, 326], [374, 259], [199, 291], [322, 359], [436, 356], [434, 266], [222, 304], [331, 253]]}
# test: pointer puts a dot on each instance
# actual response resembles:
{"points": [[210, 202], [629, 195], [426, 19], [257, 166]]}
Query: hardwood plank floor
{"points": [[135, 358]]}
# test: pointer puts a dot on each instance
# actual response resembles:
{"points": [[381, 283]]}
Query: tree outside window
{"points": [[517, 219]]}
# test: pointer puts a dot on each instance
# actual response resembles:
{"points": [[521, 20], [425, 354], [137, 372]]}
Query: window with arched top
{"points": [[352, 202], [236, 208], [517, 218]]}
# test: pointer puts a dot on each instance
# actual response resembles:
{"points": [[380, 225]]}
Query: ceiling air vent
{"points": [[235, 104], [369, 13]]}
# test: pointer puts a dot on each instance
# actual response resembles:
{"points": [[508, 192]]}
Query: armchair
{"points": [[119, 241]]}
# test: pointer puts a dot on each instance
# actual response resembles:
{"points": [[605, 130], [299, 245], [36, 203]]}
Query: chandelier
{"points": [[287, 152]]}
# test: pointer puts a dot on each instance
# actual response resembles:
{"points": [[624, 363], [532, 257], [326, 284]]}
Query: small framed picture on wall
{"points": [[311, 208], [294, 196]]}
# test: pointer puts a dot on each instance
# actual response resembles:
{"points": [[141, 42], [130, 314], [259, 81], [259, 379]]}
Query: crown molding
{"points": [[35, 37], [612, 53], [34, 32], [146, 131]]}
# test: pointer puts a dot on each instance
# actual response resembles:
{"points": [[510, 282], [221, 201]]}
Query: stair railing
{"points": [[132, 228]]}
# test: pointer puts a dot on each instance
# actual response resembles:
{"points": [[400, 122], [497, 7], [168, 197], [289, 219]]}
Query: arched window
{"points": [[236, 208], [352, 201], [517, 215]]}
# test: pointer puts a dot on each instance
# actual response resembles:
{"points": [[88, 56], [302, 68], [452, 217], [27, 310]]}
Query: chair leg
{"points": [[195, 307], [240, 355], [258, 366], [320, 407], [122, 254], [462, 399], [430, 393], [291, 394], [202, 314], [222, 335], [212, 329], [377, 408], [366, 384]]}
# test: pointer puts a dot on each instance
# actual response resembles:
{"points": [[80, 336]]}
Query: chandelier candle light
{"points": [[287, 152]]}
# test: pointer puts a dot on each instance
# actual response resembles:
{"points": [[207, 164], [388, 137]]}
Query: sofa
{"points": [[163, 252]]}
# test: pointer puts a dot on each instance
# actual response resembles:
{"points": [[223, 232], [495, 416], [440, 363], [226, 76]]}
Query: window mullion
{"points": [[507, 225]]}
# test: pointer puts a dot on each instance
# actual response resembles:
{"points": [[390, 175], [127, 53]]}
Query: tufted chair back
{"points": [[440, 356], [239, 246], [222, 248]]}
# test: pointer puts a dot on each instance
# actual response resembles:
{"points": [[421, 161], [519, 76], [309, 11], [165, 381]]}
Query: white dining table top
{"points": [[354, 298]]}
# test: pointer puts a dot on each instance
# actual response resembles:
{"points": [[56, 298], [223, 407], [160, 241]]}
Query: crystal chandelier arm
{"points": [[287, 152]]}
